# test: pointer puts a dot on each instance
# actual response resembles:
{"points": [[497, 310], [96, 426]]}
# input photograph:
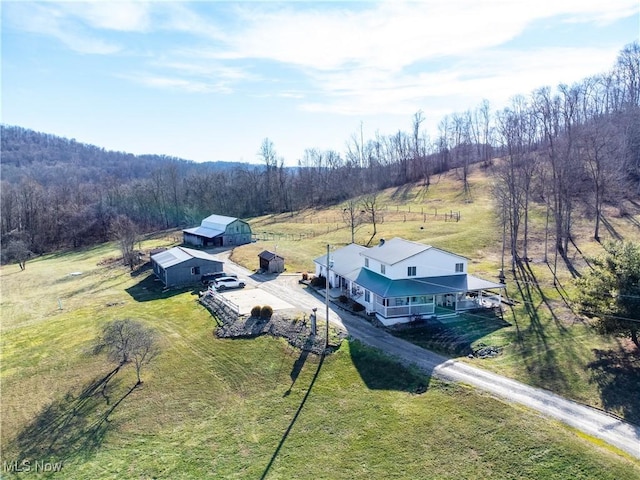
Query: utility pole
{"points": [[326, 341]]}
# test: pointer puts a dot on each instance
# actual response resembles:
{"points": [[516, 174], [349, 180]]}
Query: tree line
{"points": [[573, 145], [573, 151]]}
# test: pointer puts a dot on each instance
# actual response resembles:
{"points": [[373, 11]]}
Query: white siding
{"points": [[432, 263], [376, 266]]}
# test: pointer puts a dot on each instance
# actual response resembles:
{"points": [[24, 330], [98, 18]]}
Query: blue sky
{"points": [[209, 80]]}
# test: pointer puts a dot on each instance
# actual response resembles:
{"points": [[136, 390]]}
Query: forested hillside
{"points": [[572, 149]]}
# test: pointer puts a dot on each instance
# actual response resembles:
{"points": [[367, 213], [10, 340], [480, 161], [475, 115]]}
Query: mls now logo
{"points": [[29, 466]]}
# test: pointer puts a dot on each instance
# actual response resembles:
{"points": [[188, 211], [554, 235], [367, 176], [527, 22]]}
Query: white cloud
{"points": [[390, 57], [177, 83], [202, 68], [130, 16], [394, 35], [350, 58], [495, 75], [49, 19]]}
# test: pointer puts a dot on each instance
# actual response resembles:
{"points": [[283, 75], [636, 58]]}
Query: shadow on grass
{"points": [[149, 289], [377, 370], [381, 372], [298, 364], [545, 346], [74, 426], [293, 420], [454, 338], [617, 374], [530, 291]]}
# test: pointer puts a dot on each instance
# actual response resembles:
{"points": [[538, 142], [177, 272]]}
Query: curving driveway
{"points": [[612, 430]]}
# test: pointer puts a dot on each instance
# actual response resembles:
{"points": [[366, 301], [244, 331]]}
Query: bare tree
{"points": [[353, 216], [125, 233], [355, 148], [129, 341], [517, 129], [599, 148], [462, 146], [627, 70], [556, 115], [372, 212], [420, 167], [16, 250], [482, 132], [268, 154]]}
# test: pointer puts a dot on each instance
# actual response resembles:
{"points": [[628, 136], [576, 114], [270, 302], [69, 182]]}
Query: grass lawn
{"points": [[212, 408]]}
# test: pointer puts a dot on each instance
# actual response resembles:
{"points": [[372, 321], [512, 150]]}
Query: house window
{"points": [[382, 269], [411, 271], [459, 267], [366, 262], [195, 270], [367, 296]]}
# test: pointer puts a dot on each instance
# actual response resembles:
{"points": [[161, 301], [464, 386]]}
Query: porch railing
{"points": [[405, 310]]}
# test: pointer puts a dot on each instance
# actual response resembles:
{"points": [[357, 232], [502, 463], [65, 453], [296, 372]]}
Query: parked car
{"points": [[211, 277], [224, 283]]}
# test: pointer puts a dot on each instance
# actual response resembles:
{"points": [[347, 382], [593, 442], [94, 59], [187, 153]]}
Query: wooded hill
{"points": [[572, 148]]}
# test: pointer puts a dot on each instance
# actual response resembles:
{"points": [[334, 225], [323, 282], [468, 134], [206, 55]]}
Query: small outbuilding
{"points": [[181, 266], [271, 262], [218, 231]]}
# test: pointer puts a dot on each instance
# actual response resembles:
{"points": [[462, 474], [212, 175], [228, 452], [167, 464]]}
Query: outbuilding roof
{"points": [[212, 226], [218, 222], [204, 232], [178, 255], [268, 256]]}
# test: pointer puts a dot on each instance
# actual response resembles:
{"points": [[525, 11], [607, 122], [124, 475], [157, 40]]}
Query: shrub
{"points": [[266, 312], [319, 282], [256, 311], [305, 276], [343, 299], [356, 307]]}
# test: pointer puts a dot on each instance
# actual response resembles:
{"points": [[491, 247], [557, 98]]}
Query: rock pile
{"points": [[486, 351]]}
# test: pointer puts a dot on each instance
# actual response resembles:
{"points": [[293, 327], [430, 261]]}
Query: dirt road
{"points": [[593, 422]]}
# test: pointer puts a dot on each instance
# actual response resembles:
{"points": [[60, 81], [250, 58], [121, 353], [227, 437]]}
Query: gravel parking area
{"points": [[247, 298]]}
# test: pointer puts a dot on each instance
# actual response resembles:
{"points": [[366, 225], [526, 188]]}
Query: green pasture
{"points": [[212, 408]]}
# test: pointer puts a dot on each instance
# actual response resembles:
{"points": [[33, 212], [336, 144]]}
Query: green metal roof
{"points": [[386, 287]]}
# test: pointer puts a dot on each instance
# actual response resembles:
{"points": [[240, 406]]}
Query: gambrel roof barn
{"points": [[218, 231]]}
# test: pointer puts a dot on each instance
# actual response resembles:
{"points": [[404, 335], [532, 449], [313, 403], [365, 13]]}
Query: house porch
{"points": [[405, 309]]}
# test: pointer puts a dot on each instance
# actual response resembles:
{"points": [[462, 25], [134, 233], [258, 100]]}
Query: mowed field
{"points": [[212, 408]]}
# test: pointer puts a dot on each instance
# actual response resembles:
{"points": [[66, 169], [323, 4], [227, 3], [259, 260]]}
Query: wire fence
{"points": [[385, 213], [335, 221], [274, 236]]}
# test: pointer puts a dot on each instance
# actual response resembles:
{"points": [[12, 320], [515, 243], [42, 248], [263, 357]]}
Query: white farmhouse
{"points": [[400, 280]]}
